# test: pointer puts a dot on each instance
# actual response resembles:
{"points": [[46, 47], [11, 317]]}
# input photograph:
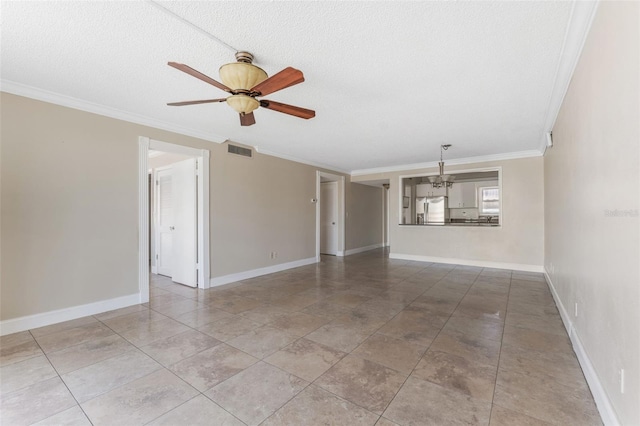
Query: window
{"points": [[489, 200]]}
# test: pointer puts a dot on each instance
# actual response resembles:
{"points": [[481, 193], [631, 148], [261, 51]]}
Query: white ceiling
{"points": [[389, 81]]}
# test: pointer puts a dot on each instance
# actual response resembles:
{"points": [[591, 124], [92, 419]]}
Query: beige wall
{"points": [[364, 221], [519, 241], [591, 255], [69, 224]]}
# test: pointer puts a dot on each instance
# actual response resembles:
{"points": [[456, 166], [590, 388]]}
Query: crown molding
{"points": [[452, 162], [580, 20], [300, 160], [82, 105]]}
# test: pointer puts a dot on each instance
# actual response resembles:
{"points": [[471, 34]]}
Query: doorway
{"points": [[195, 172], [330, 214], [174, 224]]}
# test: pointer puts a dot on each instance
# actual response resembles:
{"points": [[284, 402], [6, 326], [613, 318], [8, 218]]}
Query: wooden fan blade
{"points": [[198, 75], [204, 101], [247, 119], [288, 109], [285, 78]]}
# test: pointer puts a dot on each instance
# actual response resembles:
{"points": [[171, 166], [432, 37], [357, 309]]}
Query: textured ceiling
{"points": [[389, 81]]}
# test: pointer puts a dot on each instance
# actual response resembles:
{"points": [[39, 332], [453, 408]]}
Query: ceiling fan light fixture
{"points": [[243, 104], [242, 75]]}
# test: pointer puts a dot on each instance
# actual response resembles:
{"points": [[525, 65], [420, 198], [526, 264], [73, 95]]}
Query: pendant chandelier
{"points": [[442, 180]]}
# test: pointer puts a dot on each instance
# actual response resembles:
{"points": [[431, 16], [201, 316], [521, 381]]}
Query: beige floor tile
{"points": [[458, 374], [228, 328], [163, 299], [561, 366], [306, 359], [387, 311], [445, 305], [298, 323], [504, 417], [315, 406], [122, 323], [326, 309], [176, 348], [212, 366], [15, 339], [385, 422], [468, 346], [66, 325], [153, 331], [175, 309], [199, 411], [36, 402], [535, 340], [73, 336], [84, 354], [25, 373], [532, 309], [484, 329], [140, 401], [339, 336], [548, 324], [424, 403], [363, 382], [415, 327], [264, 314], [184, 290], [70, 417], [257, 392], [97, 379], [295, 303], [202, 316], [262, 341], [546, 399], [400, 355], [347, 299], [10, 354], [235, 304], [119, 312]]}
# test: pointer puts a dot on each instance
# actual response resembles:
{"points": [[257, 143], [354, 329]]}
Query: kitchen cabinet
{"points": [[463, 195], [426, 190]]}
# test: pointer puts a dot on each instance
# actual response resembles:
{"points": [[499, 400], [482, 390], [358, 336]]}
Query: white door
{"points": [[185, 225], [164, 220], [329, 218]]}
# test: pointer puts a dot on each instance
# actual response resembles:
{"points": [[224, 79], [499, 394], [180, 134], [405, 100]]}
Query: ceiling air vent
{"points": [[238, 150]]}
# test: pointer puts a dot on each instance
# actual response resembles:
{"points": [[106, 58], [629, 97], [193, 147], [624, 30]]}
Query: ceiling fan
{"points": [[246, 82]]}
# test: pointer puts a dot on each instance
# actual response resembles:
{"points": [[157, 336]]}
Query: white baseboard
{"points": [[469, 262], [600, 396], [29, 322], [361, 249], [231, 278]]}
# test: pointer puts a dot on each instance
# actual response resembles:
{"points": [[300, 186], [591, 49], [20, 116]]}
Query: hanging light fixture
{"points": [[442, 180], [240, 77]]}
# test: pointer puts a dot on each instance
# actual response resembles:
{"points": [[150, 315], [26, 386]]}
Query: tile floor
{"points": [[362, 340]]}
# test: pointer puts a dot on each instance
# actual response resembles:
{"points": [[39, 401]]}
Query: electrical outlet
{"points": [[575, 313], [621, 380]]}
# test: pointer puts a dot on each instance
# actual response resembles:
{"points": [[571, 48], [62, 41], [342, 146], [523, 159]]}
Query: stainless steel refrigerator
{"points": [[432, 210]]}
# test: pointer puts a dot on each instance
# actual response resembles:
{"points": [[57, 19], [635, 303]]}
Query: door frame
{"points": [[203, 158], [330, 177]]}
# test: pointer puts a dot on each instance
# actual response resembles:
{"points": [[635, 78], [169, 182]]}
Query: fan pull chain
{"points": [[192, 25]]}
